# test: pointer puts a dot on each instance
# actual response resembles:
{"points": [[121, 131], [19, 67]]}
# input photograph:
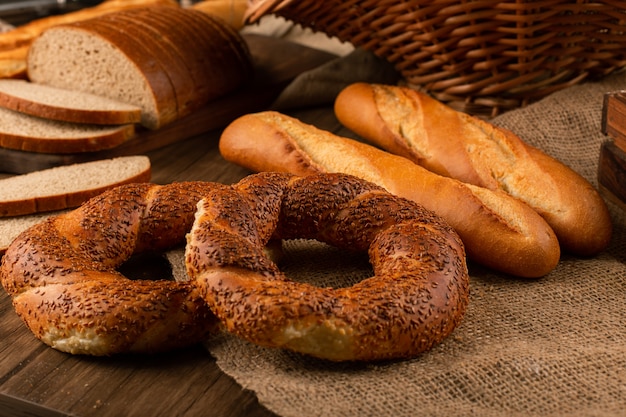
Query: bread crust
{"points": [[412, 124], [213, 77], [184, 57], [498, 231], [14, 44], [169, 37], [228, 33], [219, 40], [231, 11]]}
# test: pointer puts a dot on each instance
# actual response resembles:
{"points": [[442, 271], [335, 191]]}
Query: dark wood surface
{"points": [[36, 380]]}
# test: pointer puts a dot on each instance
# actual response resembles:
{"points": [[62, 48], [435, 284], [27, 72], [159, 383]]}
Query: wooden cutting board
{"points": [[277, 62]]}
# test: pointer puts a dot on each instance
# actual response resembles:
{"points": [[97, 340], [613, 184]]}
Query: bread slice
{"points": [[35, 134], [65, 105], [68, 186]]}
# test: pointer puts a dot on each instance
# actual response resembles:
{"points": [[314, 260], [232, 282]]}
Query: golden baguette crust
{"points": [[498, 231], [450, 143]]}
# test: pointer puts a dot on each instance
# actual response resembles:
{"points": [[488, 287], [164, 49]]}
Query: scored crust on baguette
{"points": [[68, 186], [498, 230], [65, 105], [23, 132], [454, 144]]}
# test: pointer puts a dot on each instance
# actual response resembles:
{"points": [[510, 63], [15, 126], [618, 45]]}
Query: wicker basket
{"points": [[479, 56]]}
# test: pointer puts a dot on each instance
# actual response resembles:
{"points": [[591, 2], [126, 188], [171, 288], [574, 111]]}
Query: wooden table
{"points": [[36, 380]]}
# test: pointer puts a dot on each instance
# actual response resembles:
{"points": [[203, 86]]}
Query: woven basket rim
{"points": [[474, 52]]}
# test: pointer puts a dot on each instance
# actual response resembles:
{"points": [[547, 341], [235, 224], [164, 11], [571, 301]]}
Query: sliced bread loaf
{"points": [[65, 105], [75, 57], [131, 35], [68, 186], [35, 134], [112, 59]]}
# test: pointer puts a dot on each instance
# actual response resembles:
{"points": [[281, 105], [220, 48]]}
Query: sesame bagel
{"points": [[62, 274], [416, 297]]}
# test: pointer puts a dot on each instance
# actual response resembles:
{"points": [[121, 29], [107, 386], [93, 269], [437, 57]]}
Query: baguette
{"points": [[450, 143], [68, 186], [498, 231]]}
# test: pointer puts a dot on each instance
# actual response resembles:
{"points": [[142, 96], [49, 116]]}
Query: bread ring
{"points": [[417, 296], [62, 276]]}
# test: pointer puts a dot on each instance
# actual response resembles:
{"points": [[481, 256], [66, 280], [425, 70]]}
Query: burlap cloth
{"points": [[549, 347]]}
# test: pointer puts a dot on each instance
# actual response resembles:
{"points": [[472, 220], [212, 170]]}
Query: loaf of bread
{"points": [[167, 60], [450, 143], [14, 43], [498, 230], [68, 186], [65, 105]]}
